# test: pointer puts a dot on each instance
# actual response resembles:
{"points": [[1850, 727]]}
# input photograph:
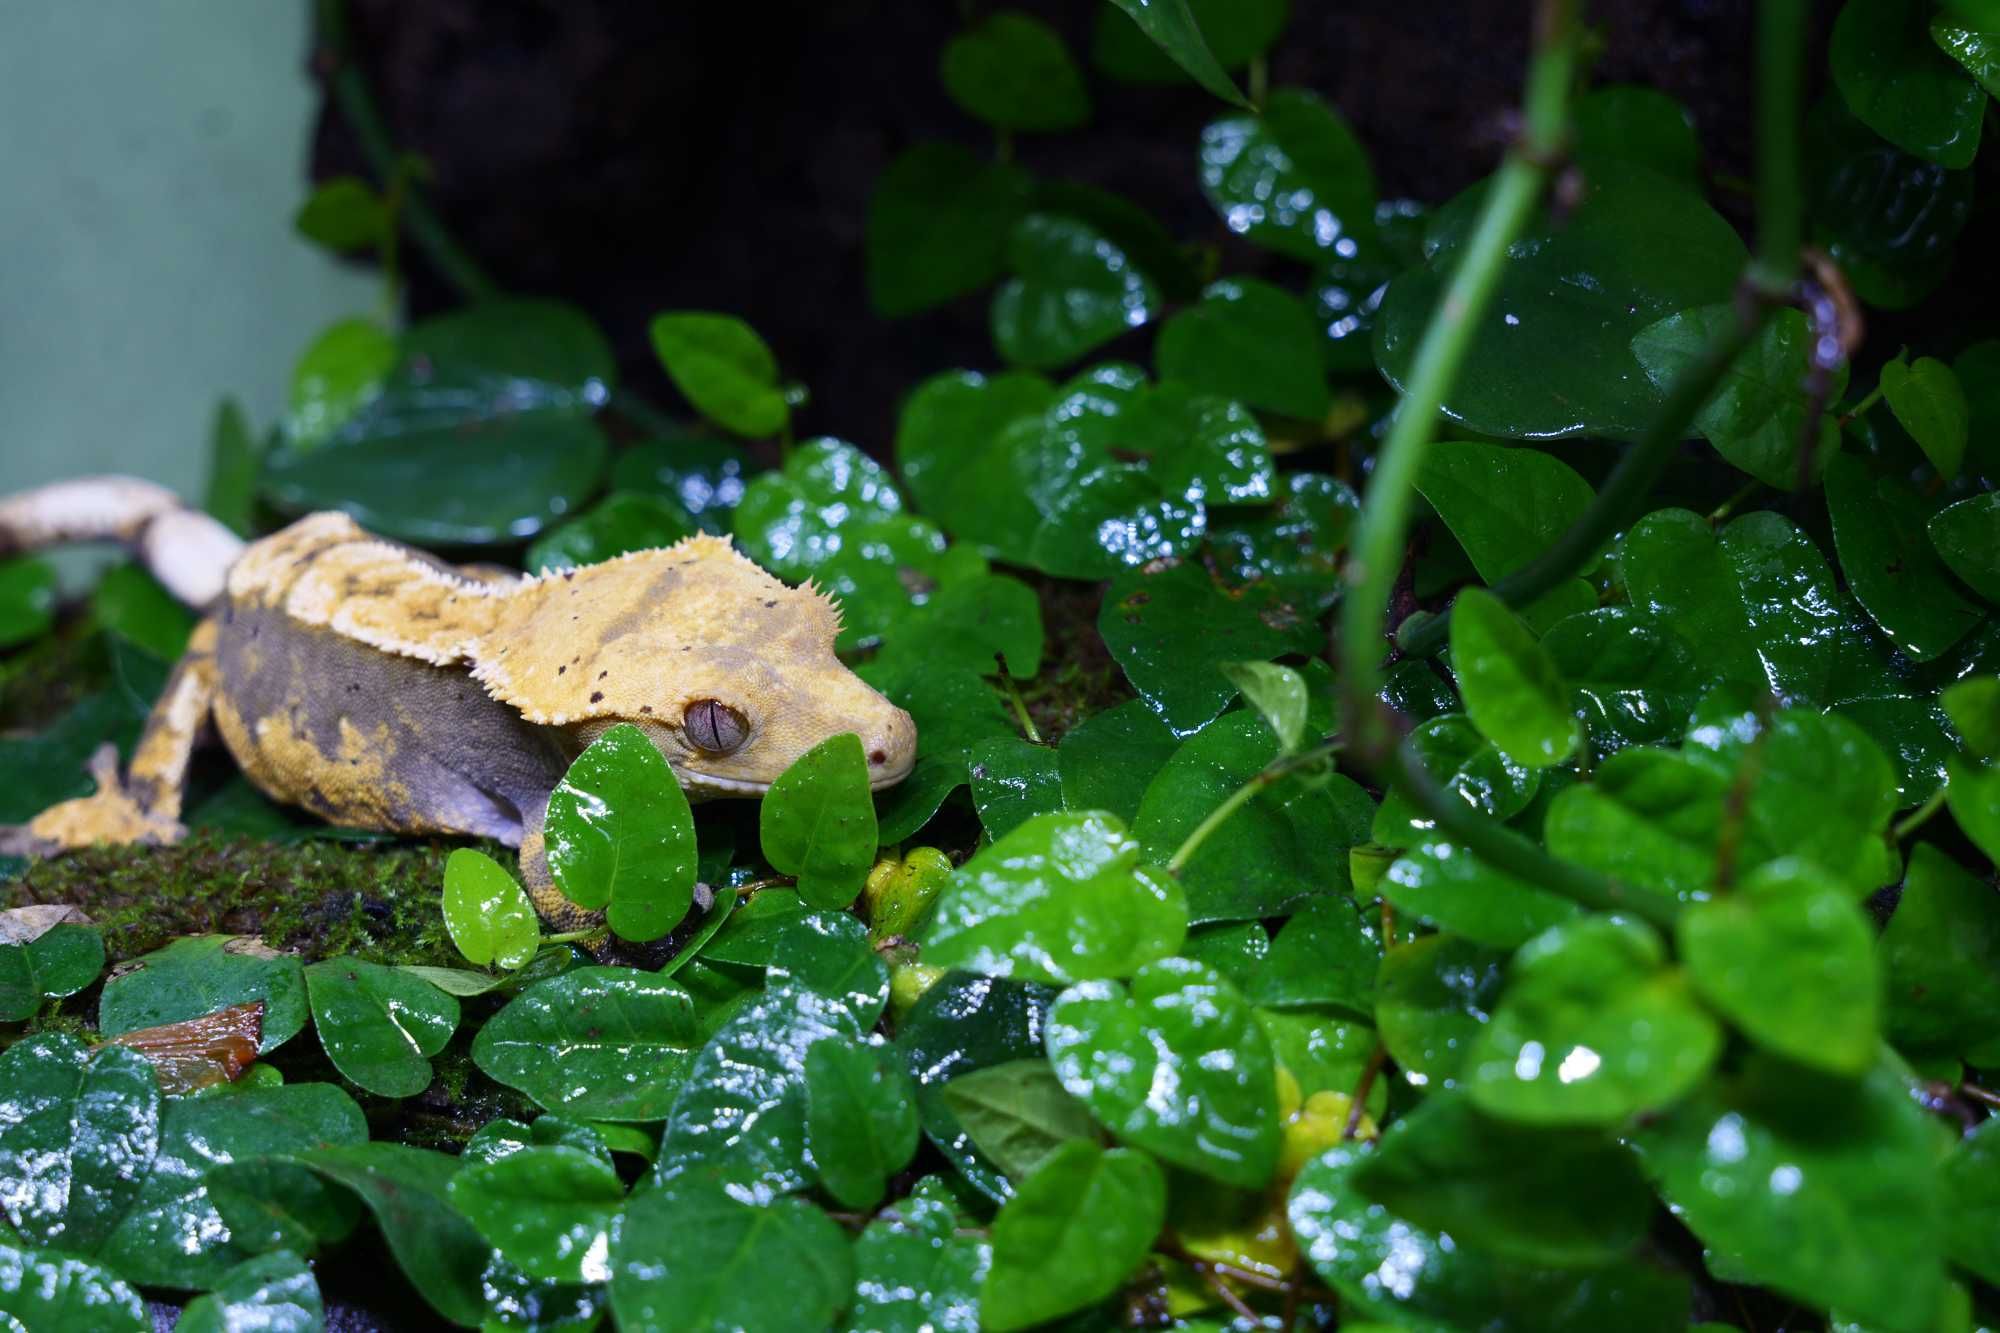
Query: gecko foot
{"points": [[108, 815]]}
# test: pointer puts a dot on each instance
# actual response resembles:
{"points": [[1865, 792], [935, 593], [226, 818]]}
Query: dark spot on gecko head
{"points": [[568, 574], [602, 674], [596, 696], [645, 708], [561, 669], [772, 602]]}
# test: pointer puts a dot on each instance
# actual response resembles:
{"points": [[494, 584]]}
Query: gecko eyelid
{"points": [[714, 727]]}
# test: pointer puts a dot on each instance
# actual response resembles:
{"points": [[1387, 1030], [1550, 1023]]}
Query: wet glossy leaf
{"points": [[269, 1203], [407, 1191], [954, 710], [1173, 629], [1296, 545], [379, 1025], [1013, 780], [27, 599], [1062, 898], [741, 1116], [1073, 290], [1466, 765], [1891, 567], [1930, 404], [621, 837], [548, 1210], [1971, 1190], [1824, 1189], [620, 522], [795, 520], [1637, 124], [60, 961], [200, 974], [1176, 1064], [691, 1257], [1973, 793], [1971, 48], [1157, 251], [1434, 995], [1756, 418], [1109, 759], [723, 368], [273, 1293], [1412, 1278], [1012, 71], [1450, 887], [1592, 1029], [1287, 843], [485, 911], [1941, 955], [1790, 959], [1293, 179], [1250, 341], [861, 1119], [130, 603], [1756, 598], [1511, 686], [1974, 706], [938, 222], [1636, 248], [702, 474], [611, 1043], [830, 952], [1327, 954], [948, 454], [1967, 536], [1504, 504], [1279, 695], [918, 1268], [1567, 1198], [1633, 679], [817, 822], [1072, 1235], [503, 1138], [342, 371], [1017, 1113], [966, 623], [1897, 81], [1179, 28], [47, 1289], [1889, 218], [77, 1133]]}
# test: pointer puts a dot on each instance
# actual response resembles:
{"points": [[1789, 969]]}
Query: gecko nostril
{"points": [[877, 757]]}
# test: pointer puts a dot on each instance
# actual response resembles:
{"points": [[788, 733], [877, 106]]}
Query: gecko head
{"points": [[729, 672]]}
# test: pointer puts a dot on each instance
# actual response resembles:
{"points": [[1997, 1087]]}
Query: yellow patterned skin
{"points": [[380, 688]]}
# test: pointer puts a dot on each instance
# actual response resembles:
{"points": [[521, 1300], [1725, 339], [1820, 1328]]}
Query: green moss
{"points": [[1084, 681]]}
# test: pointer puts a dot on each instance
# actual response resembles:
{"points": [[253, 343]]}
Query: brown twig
{"points": [[1369, 1072]]}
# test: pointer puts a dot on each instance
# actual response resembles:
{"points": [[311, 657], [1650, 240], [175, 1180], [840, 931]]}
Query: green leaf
{"points": [[342, 371], [621, 837], [1566, 1198], [1062, 898], [828, 951], [344, 214], [1930, 404], [27, 599], [1879, 530], [47, 1289], [77, 1133], [1173, 26], [1012, 71], [61, 961], [1434, 995], [741, 1115], [269, 1203], [1447, 885], [1973, 49], [1889, 219], [611, 1043], [1466, 765], [1634, 249], [1825, 1189], [1974, 707], [1173, 630], [938, 222], [1072, 1235], [1790, 959], [622, 521], [487, 915], [200, 974], [1012, 781], [724, 369], [861, 1119], [701, 474], [1108, 760], [1967, 536], [1073, 290], [817, 822], [235, 457], [1327, 954], [1017, 1114], [948, 454], [130, 603], [1176, 1065], [1755, 599], [1296, 545], [795, 520], [1278, 693], [273, 1293], [1250, 341], [966, 623], [1413, 1278], [954, 710], [1638, 124], [548, 1210], [1633, 679], [1971, 1191], [1756, 418], [379, 1025], [1292, 179], [503, 1138], [1512, 689], [918, 1267], [1897, 81], [1592, 1029], [1973, 793], [1504, 504], [692, 1257], [1941, 955]]}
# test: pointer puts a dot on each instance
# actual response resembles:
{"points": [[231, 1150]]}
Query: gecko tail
{"points": [[186, 550]]}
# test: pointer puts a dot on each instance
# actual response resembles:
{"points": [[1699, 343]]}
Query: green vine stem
{"points": [[1278, 769], [1385, 518]]}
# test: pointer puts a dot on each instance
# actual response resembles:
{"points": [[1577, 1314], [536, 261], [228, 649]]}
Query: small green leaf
{"points": [[1973, 793], [1292, 179], [1930, 404], [621, 837], [344, 214], [1108, 760], [341, 372], [1633, 678], [1017, 1113], [1075, 1231], [199, 974], [61, 961], [1175, 1065], [1638, 124], [611, 1043], [1250, 341], [1073, 291], [1296, 545], [1434, 995], [1879, 530], [1972, 1189], [47, 1289], [1012, 781], [1452, 888], [27, 599], [795, 520], [829, 952], [1278, 693], [622, 521], [1172, 25], [485, 911], [817, 822], [703, 475], [273, 1293], [1327, 954], [132, 604], [1941, 955], [379, 1025], [918, 1267], [548, 1210], [1967, 536], [938, 222], [235, 457], [1512, 689], [724, 369], [1062, 898], [1466, 765], [1012, 71], [78, 1131], [1504, 504], [1896, 80], [1592, 1029], [1974, 707], [861, 1119]]}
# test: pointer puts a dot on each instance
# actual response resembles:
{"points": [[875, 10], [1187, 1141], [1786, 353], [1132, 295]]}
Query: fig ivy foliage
{"points": [[1659, 980]]}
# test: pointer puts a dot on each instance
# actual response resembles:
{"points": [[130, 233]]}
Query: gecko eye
{"points": [[714, 727]]}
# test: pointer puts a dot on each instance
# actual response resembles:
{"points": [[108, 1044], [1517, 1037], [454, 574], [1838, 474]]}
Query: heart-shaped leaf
{"points": [[611, 1043], [621, 836], [817, 822], [379, 1025], [723, 368]]}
